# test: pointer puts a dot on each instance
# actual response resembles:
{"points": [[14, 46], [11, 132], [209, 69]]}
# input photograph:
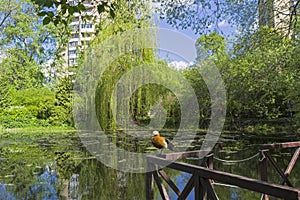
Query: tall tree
{"points": [[25, 44], [206, 16]]}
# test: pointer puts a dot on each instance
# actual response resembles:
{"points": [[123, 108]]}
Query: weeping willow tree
{"points": [[130, 16]]}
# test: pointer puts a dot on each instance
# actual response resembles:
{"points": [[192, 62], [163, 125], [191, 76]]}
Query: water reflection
{"points": [[57, 166], [43, 187]]}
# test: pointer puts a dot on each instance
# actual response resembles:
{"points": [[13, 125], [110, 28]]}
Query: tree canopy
{"points": [[207, 16]]}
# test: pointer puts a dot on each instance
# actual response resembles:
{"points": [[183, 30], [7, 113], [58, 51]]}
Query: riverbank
{"points": [[246, 126], [38, 129]]}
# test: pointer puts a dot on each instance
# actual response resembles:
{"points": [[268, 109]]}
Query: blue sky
{"points": [[178, 62], [221, 25]]}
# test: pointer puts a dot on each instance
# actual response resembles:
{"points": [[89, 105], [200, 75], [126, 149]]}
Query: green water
{"points": [[42, 165]]}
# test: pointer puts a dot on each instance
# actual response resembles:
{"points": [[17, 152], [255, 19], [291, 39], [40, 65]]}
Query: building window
{"points": [[88, 26], [72, 52], [73, 3], [72, 61], [73, 44], [76, 36]]}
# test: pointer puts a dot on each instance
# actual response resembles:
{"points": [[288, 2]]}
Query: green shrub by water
{"points": [[34, 107]]}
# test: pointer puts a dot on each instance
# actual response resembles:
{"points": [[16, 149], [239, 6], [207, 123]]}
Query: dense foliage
{"points": [[260, 69], [204, 17], [261, 76], [30, 93]]}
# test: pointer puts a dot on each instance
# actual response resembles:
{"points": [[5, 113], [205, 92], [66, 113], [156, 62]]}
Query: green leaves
{"points": [[101, 7], [109, 8], [46, 20], [60, 12], [259, 73]]}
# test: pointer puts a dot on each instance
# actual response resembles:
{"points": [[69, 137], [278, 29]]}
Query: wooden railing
{"points": [[202, 178], [265, 156]]}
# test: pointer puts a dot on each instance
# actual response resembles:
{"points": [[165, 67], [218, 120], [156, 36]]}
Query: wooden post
{"points": [[263, 170], [161, 187], [149, 181], [211, 161], [198, 190], [263, 166], [205, 174], [210, 192]]}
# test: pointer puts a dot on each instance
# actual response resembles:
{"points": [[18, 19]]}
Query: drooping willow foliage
{"points": [[132, 54]]}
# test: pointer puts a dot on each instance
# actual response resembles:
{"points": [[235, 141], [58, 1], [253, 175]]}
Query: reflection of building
{"points": [[74, 187], [275, 13], [83, 30]]}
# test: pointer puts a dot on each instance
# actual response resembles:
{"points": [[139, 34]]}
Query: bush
{"points": [[34, 107], [16, 117]]}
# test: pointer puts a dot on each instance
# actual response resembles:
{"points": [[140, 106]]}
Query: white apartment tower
{"points": [[83, 30], [275, 13]]}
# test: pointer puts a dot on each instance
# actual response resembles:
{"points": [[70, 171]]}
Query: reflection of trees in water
{"points": [[43, 186], [100, 182], [90, 179], [24, 157]]}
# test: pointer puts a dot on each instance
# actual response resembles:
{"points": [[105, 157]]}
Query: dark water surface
{"points": [[56, 165]]}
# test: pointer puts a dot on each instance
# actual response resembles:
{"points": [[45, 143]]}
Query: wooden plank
{"points": [[198, 190], [293, 161], [149, 186], [275, 165], [209, 188], [211, 161], [280, 145], [149, 181], [232, 179], [189, 154], [290, 166], [187, 189], [161, 187], [169, 181]]}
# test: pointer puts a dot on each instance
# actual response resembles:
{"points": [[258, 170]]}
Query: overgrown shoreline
{"points": [[253, 129], [38, 129]]}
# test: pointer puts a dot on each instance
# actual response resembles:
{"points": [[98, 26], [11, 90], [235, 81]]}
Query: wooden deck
{"points": [[203, 176]]}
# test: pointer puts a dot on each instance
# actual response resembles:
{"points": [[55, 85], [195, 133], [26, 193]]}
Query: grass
{"points": [[38, 129]]}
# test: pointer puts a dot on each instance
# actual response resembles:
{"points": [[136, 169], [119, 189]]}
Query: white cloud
{"points": [[180, 65], [223, 24]]}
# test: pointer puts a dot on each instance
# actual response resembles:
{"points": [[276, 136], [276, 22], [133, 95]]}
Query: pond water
{"points": [[56, 165]]}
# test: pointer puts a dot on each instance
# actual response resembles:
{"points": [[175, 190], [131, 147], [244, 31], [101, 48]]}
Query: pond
{"points": [[56, 165]]}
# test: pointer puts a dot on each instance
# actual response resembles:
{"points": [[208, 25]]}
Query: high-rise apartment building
{"points": [[82, 30], [275, 13]]}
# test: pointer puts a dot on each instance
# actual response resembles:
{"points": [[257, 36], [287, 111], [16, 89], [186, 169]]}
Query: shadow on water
{"points": [[57, 166]]}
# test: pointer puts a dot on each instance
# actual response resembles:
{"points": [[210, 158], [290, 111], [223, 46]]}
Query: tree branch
{"points": [[293, 14], [5, 17]]}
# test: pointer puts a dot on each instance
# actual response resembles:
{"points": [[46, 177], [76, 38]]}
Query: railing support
{"points": [[290, 166], [149, 181], [202, 185], [203, 175], [263, 170]]}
